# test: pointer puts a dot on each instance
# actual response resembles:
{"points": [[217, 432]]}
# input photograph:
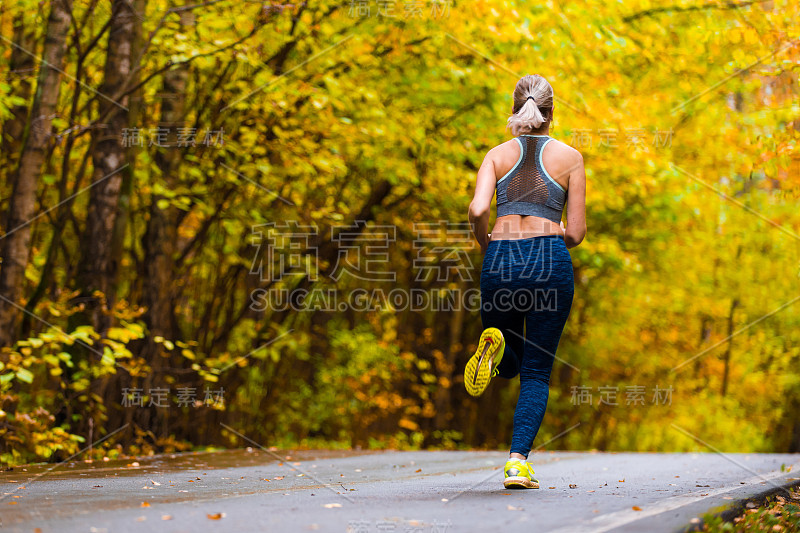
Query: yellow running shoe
{"points": [[482, 366], [519, 475]]}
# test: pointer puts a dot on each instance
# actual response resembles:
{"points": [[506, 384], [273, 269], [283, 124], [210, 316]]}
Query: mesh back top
{"points": [[527, 189]]}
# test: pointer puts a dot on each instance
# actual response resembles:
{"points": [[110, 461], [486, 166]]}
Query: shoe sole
{"points": [[519, 482], [478, 371]]}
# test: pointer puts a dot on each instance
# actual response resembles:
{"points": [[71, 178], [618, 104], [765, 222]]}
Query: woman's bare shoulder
{"points": [[504, 147], [504, 156], [565, 151], [504, 152]]}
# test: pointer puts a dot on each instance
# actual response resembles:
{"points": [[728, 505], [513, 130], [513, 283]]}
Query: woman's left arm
{"points": [[481, 204], [576, 204]]}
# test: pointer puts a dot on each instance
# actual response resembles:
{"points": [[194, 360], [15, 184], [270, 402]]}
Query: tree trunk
{"points": [[21, 67], [136, 106], [17, 239], [160, 238], [454, 350], [727, 356], [98, 265]]}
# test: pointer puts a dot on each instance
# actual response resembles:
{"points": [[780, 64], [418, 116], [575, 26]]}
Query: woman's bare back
{"points": [[560, 160]]}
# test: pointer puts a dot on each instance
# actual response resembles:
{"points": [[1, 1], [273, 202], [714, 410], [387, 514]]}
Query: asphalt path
{"points": [[364, 492]]}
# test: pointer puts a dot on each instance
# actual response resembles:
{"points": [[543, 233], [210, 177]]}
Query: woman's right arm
{"points": [[576, 204], [481, 203]]}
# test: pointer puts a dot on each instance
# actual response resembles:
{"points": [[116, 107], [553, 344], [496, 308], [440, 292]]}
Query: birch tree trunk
{"points": [[98, 264], [16, 242]]}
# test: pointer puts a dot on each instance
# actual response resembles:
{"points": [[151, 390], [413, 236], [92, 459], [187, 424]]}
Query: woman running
{"points": [[526, 278]]}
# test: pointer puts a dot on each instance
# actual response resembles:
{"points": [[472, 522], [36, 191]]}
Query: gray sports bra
{"points": [[527, 189]]}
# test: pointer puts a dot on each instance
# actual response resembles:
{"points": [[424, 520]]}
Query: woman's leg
{"points": [[544, 325], [512, 325], [496, 311]]}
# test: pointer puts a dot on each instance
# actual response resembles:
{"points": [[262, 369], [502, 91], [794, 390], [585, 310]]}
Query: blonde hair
{"points": [[529, 114]]}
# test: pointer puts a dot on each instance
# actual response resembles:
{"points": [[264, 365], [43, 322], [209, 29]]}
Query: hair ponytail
{"points": [[533, 104]]}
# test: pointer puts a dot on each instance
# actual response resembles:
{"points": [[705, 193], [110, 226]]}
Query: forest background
{"points": [[169, 171]]}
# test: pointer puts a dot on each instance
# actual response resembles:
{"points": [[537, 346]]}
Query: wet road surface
{"points": [[364, 492]]}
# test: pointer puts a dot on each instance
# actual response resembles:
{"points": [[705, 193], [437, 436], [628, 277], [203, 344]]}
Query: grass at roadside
{"points": [[780, 512]]}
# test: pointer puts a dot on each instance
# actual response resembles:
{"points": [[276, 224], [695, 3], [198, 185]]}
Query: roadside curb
{"points": [[737, 507]]}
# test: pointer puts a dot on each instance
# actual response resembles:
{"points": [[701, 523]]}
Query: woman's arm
{"points": [[576, 204], [481, 203]]}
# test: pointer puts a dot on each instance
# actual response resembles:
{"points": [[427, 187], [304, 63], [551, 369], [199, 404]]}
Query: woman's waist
{"points": [[518, 227]]}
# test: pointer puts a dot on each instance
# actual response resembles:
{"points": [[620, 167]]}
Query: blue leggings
{"points": [[526, 292]]}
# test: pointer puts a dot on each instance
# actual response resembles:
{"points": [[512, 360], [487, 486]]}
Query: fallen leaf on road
{"points": [[622, 481], [145, 504], [148, 488], [636, 508], [215, 516], [157, 483], [332, 505], [166, 517], [573, 486], [550, 487], [417, 470], [278, 477], [512, 508]]}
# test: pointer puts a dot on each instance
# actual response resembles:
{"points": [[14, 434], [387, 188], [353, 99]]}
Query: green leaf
{"points": [[23, 374]]}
